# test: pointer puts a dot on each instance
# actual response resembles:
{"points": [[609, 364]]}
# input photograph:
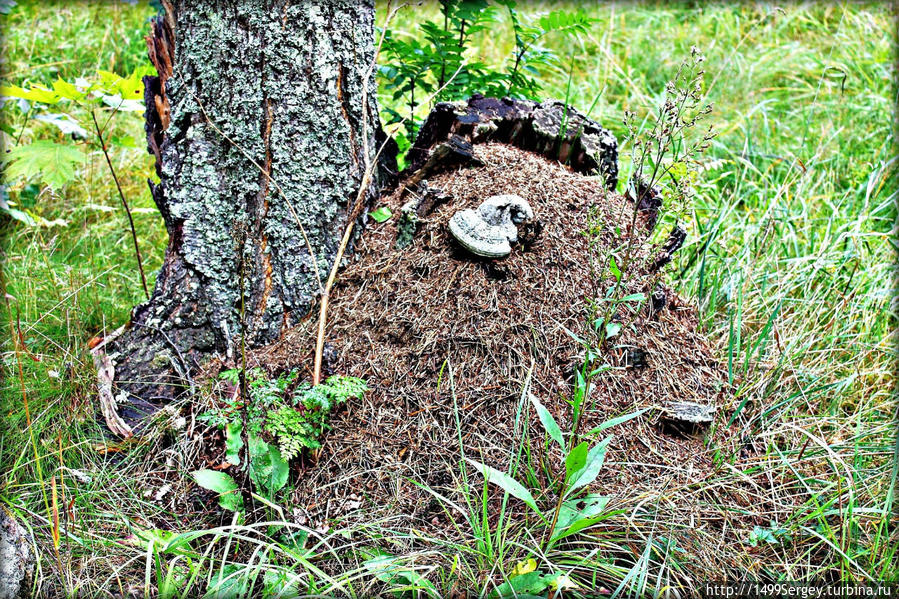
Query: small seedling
{"points": [[277, 424]]}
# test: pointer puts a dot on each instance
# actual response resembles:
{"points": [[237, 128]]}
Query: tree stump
{"points": [[549, 128]]}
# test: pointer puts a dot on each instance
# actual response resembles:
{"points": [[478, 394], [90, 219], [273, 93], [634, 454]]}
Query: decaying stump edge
{"points": [[550, 128]]}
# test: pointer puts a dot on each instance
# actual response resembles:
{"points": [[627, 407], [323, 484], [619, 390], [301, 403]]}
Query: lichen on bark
{"points": [[272, 113]]}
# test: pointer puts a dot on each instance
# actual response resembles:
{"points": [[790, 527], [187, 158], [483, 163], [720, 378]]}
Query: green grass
{"points": [[789, 260]]}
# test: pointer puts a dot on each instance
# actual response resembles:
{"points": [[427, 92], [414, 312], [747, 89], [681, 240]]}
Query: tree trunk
{"points": [[255, 88]]}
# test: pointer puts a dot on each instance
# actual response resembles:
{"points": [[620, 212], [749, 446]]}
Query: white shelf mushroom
{"points": [[490, 230], [689, 411]]}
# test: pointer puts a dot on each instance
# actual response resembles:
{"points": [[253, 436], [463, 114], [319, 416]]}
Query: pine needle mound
{"points": [[440, 335]]}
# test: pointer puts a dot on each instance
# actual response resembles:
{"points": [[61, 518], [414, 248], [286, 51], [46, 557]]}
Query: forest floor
{"points": [[788, 268]]}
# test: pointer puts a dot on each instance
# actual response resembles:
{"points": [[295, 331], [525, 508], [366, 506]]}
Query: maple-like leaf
{"points": [[54, 163]]}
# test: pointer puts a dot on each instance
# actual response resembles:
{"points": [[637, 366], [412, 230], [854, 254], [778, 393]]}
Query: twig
{"points": [[24, 124], [354, 214], [140, 265], [359, 204]]}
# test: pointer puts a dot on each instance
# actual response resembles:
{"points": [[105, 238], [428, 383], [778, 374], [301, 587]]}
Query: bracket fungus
{"points": [[689, 412], [490, 230]]}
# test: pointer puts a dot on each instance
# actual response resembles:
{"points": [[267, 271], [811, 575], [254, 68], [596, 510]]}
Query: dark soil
{"points": [[439, 334]]}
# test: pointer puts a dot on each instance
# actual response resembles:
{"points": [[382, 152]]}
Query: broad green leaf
{"points": [[63, 122], [578, 514], [166, 541], [612, 329], [677, 169], [417, 583], [530, 584], [600, 369], [548, 422], [577, 339], [54, 162], [124, 93], [112, 83], [214, 481], [43, 222], [505, 482], [123, 104], [66, 90], [35, 94], [20, 216], [280, 584], [613, 267], [390, 570], [144, 537], [384, 567], [381, 214], [576, 459], [560, 582], [524, 566], [233, 441], [616, 421], [178, 541], [109, 79], [124, 141], [268, 469], [231, 582], [590, 471], [131, 87], [223, 484], [280, 469], [634, 297], [295, 542], [258, 448], [231, 501]]}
